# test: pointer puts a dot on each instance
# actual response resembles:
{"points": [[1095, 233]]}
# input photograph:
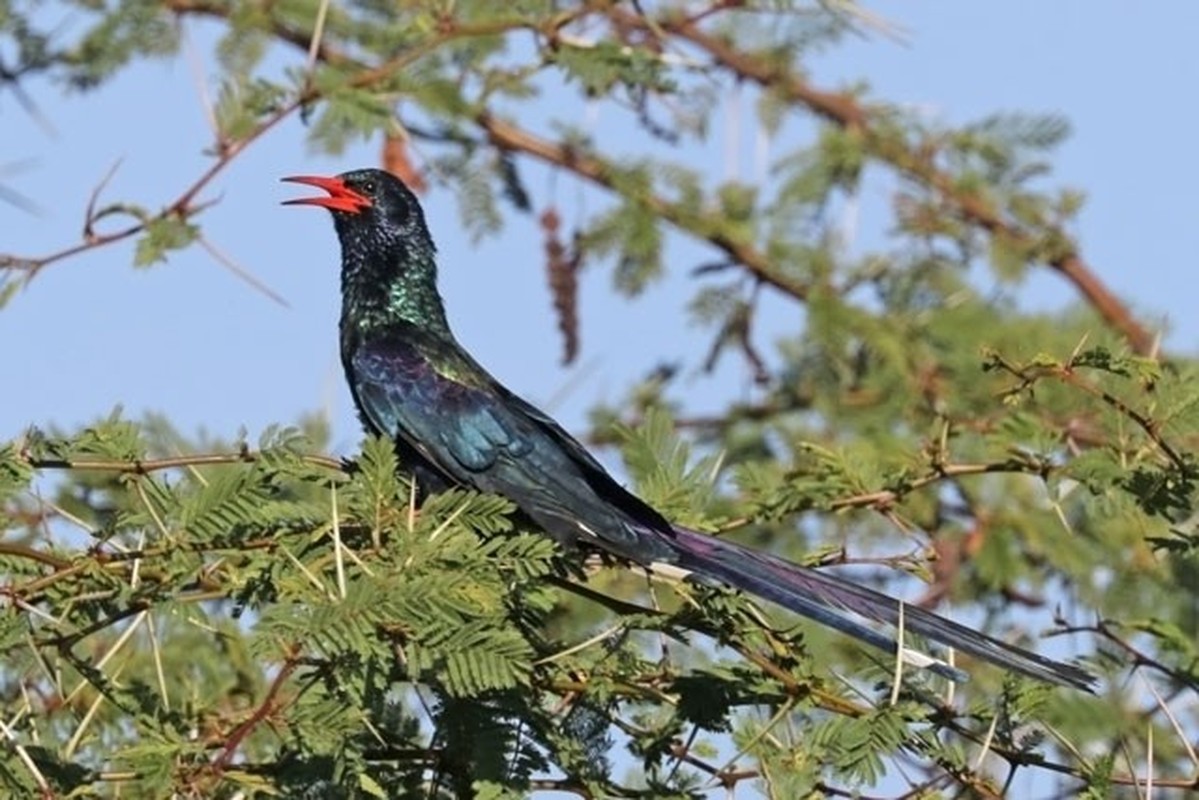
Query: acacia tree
{"points": [[261, 618]]}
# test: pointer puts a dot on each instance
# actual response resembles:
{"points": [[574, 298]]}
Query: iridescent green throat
{"points": [[379, 290]]}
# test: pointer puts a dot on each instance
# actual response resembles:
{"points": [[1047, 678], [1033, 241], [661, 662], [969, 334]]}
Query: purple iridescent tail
{"points": [[830, 601]]}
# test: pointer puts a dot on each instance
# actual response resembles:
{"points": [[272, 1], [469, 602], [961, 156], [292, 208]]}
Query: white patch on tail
{"points": [[672, 572]]}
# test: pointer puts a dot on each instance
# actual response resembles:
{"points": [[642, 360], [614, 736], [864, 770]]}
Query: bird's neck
{"points": [[401, 287]]}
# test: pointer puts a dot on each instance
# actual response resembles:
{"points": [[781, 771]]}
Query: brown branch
{"points": [[1068, 374], [1140, 658], [883, 499], [221, 10], [844, 110], [508, 136], [727, 778], [183, 207], [146, 466], [15, 550], [267, 707], [1151, 428], [887, 497]]}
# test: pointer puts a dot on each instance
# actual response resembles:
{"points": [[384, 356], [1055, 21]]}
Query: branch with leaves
{"points": [[385, 615]]}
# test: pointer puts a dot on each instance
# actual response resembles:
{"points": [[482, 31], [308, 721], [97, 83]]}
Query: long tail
{"points": [[829, 600]]}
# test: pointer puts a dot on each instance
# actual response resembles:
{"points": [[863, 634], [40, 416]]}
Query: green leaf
{"points": [[162, 235], [348, 114], [1008, 260], [369, 785]]}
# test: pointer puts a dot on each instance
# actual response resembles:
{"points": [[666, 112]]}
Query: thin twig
{"points": [[318, 31], [147, 466], [241, 272], [26, 759]]}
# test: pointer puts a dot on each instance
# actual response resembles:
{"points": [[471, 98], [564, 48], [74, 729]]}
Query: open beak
{"points": [[341, 197]]}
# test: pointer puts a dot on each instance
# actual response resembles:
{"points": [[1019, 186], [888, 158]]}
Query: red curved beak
{"points": [[341, 197]]}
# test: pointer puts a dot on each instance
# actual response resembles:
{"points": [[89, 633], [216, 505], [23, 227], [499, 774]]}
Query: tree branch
{"points": [[507, 136], [846, 111]]}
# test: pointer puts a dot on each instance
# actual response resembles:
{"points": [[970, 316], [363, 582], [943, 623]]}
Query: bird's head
{"points": [[373, 211]]}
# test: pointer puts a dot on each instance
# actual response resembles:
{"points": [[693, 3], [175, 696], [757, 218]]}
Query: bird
{"points": [[455, 425]]}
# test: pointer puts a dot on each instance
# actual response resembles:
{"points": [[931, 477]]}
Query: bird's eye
{"points": [[368, 187]]}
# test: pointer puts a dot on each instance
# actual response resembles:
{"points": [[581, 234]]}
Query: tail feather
{"points": [[829, 600]]}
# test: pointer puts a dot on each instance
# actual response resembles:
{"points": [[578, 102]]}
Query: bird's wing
{"points": [[429, 398], [450, 410]]}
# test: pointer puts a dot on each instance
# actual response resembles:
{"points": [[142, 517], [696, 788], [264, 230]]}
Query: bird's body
{"points": [[458, 424], [454, 424]]}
